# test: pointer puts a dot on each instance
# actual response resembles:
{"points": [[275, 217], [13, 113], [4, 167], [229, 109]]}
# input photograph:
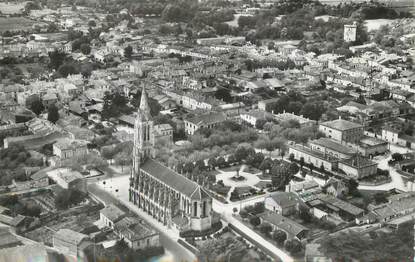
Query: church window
{"points": [[194, 208], [204, 209]]}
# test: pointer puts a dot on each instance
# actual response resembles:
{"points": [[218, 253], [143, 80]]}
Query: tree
{"points": [[279, 236], [223, 94], [56, 59], [212, 163], [304, 214], [265, 228], [128, 51], [352, 186], [92, 23], [397, 157], [53, 113], [302, 162], [294, 168], [255, 221], [293, 246], [36, 106], [68, 197], [221, 162], [280, 175], [85, 48]]}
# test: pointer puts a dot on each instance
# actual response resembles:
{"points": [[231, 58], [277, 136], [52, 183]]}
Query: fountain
{"points": [[238, 177]]}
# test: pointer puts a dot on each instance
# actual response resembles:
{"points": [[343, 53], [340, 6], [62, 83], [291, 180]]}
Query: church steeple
{"points": [[144, 107], [143, 134]]}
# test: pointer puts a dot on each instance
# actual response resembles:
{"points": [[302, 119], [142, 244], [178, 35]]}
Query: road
{"points": [[226, 211], [107, 194]]}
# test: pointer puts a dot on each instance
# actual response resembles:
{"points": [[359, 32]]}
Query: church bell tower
{"points": [[143, 134]]}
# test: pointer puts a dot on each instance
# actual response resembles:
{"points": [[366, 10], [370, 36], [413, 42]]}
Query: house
{"points": [[210, 120], [371, 146], [16, 223], [284, 203], [358, 167], [268, 104], [49, 99], [136, 233], [110, 215], [8, 239], [290, 227], [394, 136], [67, 148], [68, 179], [253, 116], [71, 243], [335, 187], [326, 205], [342, 130], [164, 132], [398, 210], [305, 190]]}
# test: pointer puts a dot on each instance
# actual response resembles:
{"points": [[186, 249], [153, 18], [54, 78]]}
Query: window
{"points": [[194, 208]]}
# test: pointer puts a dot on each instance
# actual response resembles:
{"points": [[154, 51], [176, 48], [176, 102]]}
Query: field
{"points": [[15, 24], [12, 8]]}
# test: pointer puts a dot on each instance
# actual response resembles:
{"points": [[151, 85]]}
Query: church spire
{"points": [[144, 107]]}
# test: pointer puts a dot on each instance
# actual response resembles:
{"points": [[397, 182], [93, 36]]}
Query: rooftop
{"points": [[333, 145], [207, 118], [173, 179], [112, 212], [341, 124], [284, 223], [70, 236]]}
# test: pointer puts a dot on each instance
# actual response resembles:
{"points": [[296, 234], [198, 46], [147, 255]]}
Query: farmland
{"points": [[15, 24]]}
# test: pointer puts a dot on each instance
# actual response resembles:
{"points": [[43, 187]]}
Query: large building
{"points": [[169, 197], [342, 131]]}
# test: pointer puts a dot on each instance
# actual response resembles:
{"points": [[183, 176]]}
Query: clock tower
{"points": [[350, 32]]}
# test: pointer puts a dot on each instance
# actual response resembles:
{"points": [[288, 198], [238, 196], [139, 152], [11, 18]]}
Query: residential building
{"points": [[358, 167], [71, 243], [303, 121], [342, 130], [68, 179], [110, 215], [290, 227], [136, 233], [164, 132], [284, 203], [67, 148], [209, 121]]}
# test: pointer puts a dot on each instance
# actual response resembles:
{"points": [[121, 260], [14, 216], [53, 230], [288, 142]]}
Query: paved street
{"points": [[396, 182]]}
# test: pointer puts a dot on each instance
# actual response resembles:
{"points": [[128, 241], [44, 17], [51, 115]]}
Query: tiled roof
{"points": [[358, 161], [170, 178], [341, 124], [332, 145], [112, 212], [70, 236], [285, 199], [207, 118], [284, 223]]}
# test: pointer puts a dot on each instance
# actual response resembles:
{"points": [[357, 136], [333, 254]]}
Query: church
{"points": [[169, 197]]}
